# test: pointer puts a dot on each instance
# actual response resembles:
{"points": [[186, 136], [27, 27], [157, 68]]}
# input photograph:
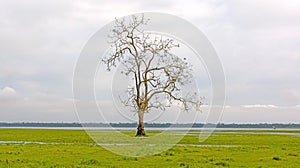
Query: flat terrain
{"points": [[74, 148]]}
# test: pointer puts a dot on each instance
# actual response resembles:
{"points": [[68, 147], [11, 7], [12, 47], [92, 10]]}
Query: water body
{"points": [[109, 144]]}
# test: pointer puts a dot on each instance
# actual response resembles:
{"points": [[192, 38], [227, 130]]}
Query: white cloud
{"points": [[7, 92], [38, 107], [261, 114], [259, 106]]}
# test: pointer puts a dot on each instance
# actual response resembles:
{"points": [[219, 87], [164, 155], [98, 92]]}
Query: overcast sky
{"points": [[257, 42]]}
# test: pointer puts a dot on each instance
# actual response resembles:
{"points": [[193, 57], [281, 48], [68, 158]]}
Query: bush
{"points": [[224, 164], [276, 158], [181, 164]]}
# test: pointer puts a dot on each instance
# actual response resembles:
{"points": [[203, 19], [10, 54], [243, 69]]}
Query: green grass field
{"points": [[74, 149]]}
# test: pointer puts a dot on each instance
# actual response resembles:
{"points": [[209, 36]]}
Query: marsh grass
{"points": [[74, 148]]}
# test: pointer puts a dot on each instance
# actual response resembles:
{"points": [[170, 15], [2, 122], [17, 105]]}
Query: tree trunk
{"points": [[140, 128]]}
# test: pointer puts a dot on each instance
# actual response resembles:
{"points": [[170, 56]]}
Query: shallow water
{"points": [[108, 144]]}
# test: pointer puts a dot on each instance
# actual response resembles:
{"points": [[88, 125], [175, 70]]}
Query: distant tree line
{"points": [[149, 125]]}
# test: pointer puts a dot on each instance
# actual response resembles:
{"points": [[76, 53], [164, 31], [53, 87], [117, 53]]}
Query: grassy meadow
{"points": [[75, 149]]}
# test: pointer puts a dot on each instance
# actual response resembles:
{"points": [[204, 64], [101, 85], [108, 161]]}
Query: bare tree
{"points": [[158, 75]]}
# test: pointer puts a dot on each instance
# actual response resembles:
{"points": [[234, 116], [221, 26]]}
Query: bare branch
{"points": [[158, 75]]}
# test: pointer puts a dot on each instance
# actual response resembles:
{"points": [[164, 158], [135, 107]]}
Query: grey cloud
{"points": [[38, 107], [255, 14], [41, 40]]}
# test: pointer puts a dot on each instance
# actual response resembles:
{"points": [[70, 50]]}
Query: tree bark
{"points": [[140, 128]]}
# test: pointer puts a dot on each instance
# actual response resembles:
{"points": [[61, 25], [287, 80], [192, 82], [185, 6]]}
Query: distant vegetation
{"points": [[149, 125]]}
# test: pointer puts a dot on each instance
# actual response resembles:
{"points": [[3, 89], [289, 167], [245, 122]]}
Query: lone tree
{"points": [[157, 74]]}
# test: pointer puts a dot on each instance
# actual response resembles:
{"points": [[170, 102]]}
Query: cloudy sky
{"points": [[257, 42]]}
